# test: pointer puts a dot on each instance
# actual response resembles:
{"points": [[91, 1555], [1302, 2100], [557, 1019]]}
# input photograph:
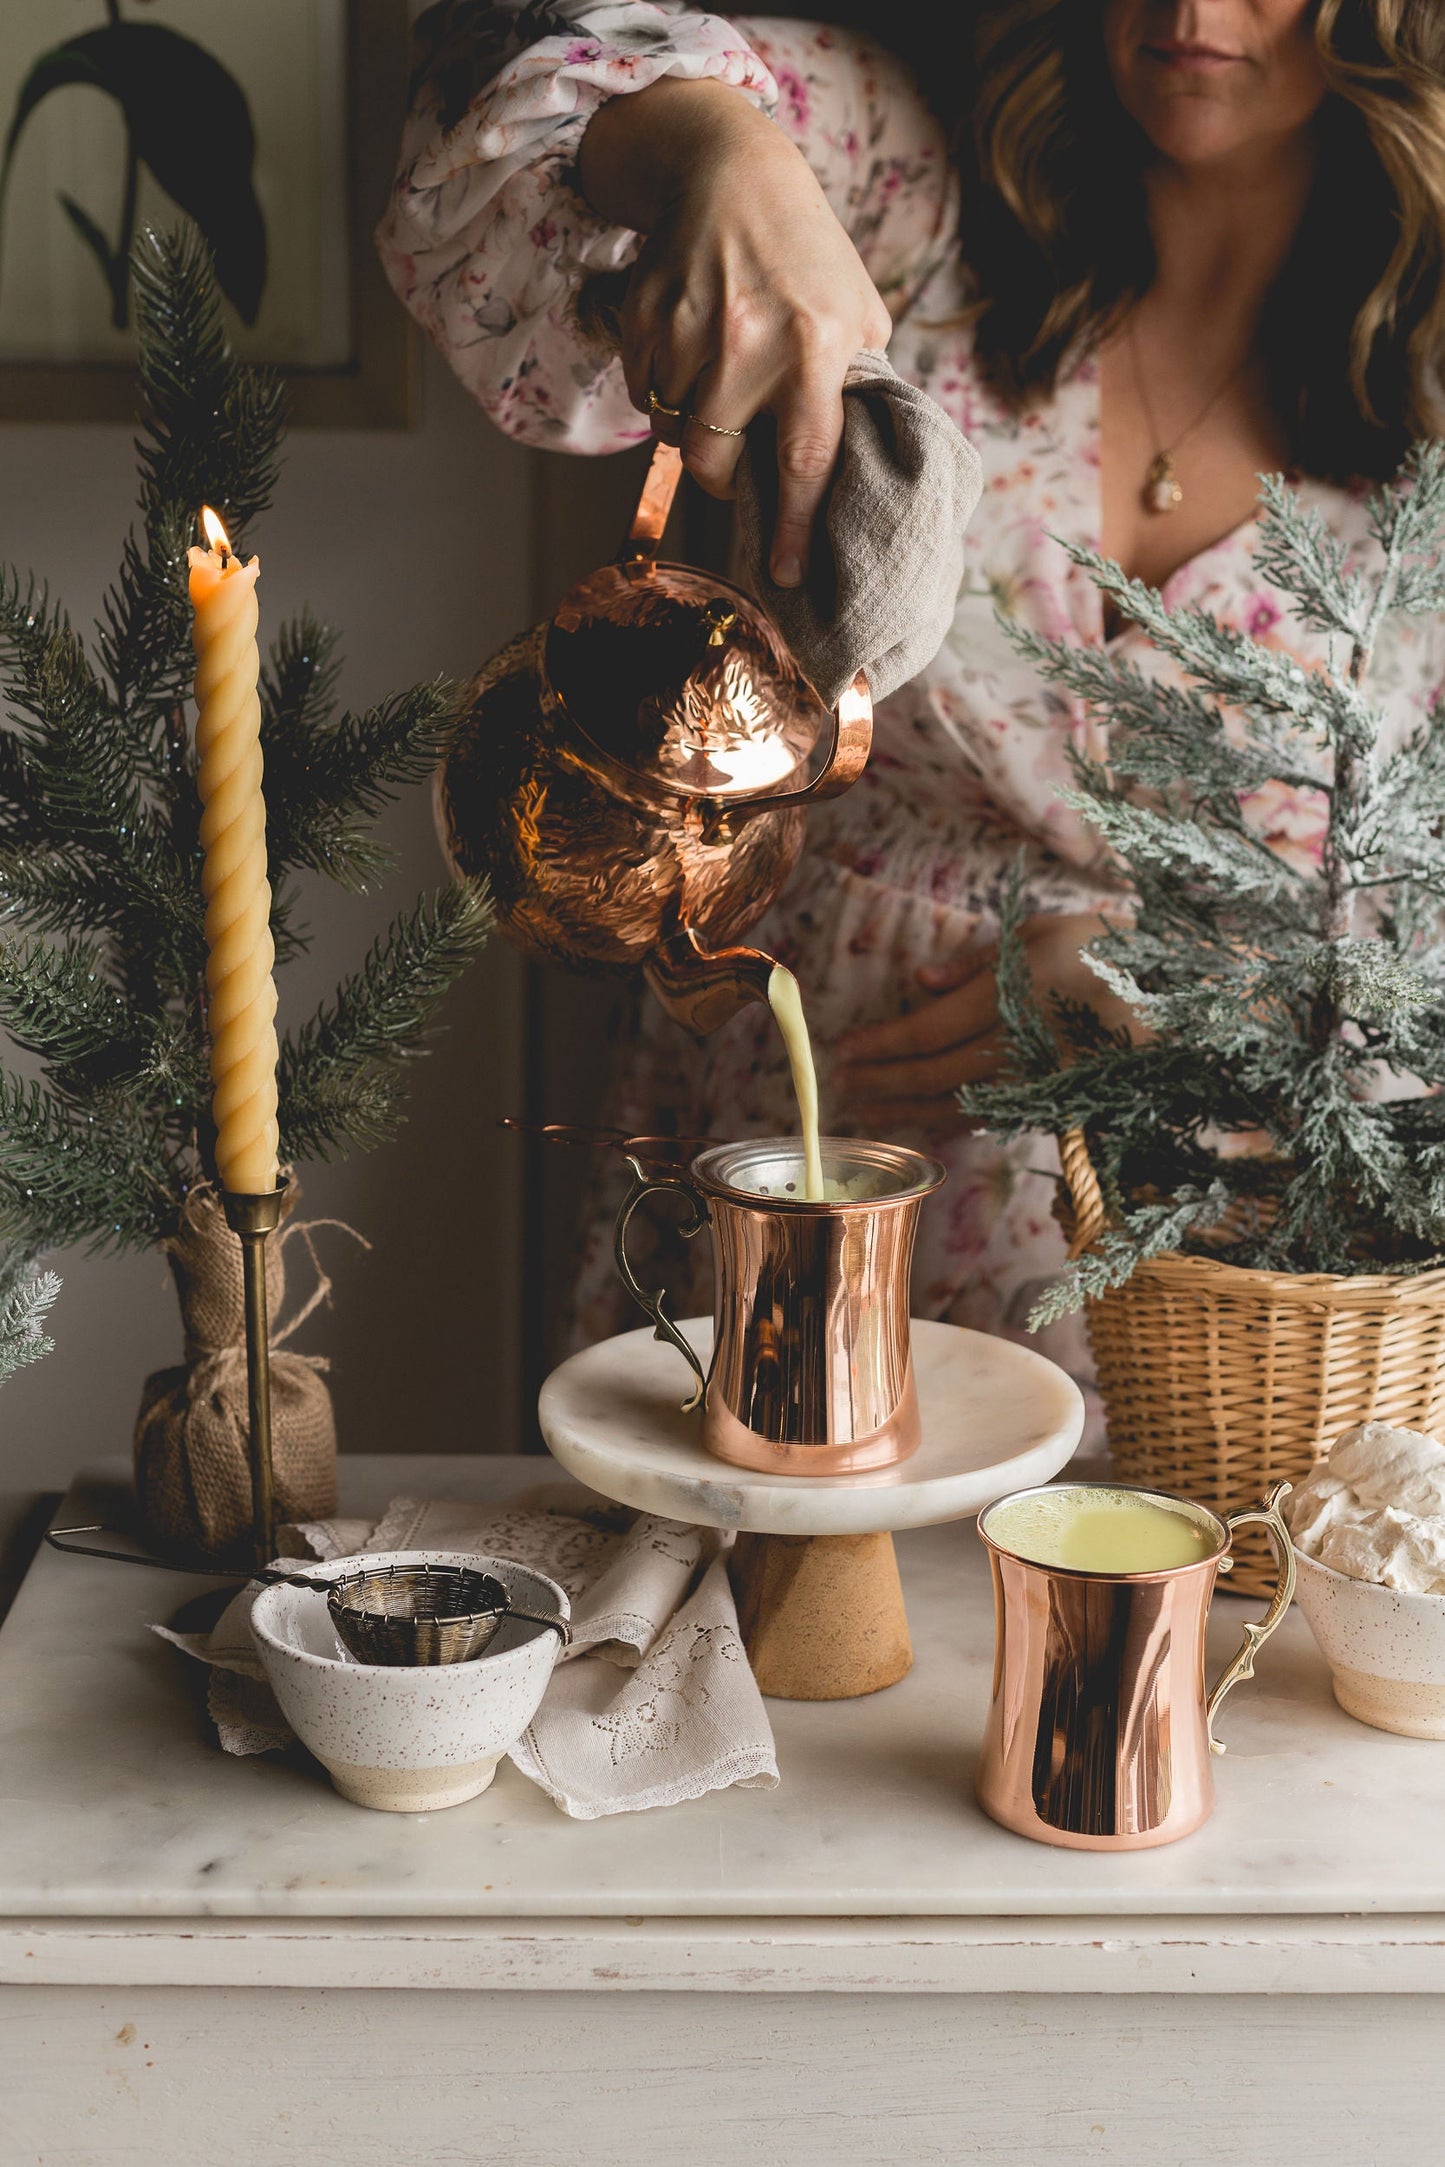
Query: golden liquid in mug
{"points": [[1092, 1529]]}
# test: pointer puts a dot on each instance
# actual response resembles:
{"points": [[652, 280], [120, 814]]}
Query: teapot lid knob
{"points": [[721, 617]]}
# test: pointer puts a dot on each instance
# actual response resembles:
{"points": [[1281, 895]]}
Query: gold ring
{"points": [[655, 406], [714, 428]]}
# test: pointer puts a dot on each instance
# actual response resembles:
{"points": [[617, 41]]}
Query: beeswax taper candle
{"points": [[242, 992]]}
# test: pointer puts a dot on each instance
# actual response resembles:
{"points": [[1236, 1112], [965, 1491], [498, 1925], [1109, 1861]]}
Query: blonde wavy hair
{"points": [[1354, 332]]}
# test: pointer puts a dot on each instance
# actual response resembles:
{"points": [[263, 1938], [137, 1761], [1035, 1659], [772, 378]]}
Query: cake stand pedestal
{"points": [[813, 1567]]}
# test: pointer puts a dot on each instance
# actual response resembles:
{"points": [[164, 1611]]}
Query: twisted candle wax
{"points": [[242, 1006]]}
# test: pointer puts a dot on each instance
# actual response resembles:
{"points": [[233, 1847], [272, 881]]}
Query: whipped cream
{"points": [[1375, 1509]]}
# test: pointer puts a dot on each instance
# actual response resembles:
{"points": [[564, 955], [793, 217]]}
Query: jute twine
{"points": [[1218, 1381], [192, 1460]]}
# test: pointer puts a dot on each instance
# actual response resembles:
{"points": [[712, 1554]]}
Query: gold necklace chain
{"points": [[1161, 492]]}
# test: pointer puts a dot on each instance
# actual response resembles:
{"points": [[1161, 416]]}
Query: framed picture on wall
{"points": [[272, 123]]}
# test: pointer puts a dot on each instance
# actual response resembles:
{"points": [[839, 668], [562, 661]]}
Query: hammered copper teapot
{"points": [[626, 775]]}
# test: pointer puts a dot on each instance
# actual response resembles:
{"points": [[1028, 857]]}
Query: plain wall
{"points": [[418, 545]]}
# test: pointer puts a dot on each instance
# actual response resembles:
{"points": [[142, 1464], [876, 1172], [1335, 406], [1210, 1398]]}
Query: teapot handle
{"points": [[852, 741], [653, 505]]}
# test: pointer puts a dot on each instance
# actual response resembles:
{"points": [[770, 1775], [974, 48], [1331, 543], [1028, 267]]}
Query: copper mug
{"points": [[1100, 1732], [812, 1362]]}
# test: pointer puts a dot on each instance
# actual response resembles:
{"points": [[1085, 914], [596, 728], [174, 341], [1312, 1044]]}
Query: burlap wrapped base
{"points": [[192, 1462]]}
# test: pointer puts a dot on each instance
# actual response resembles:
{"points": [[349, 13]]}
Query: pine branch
{"points": [[79, 787], [326, 784], [101, 1052], [298, 689], [1264, 684], [1154, 1230], [59, 1001], [340, 1073], [26, 1298], [1238, 864], [211, 434], [30, 623], [62, 1181], [1297, 552], [1030, 1040], [1163, 734], [1125, 1093], [1406, 517]]}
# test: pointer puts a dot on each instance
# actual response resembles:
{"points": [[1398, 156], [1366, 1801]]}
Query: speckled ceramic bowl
{"points": [[400, 1739], [1386, 1649]]}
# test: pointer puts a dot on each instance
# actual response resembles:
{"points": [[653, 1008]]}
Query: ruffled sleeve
{"points": [[489, 243]]}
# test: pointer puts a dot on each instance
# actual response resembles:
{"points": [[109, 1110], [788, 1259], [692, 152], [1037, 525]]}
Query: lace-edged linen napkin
{"points": [[653, 1704]]}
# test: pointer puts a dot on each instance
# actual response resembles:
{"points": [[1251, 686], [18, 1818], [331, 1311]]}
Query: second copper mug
{"points": [[812, 1363], [1100, 1728]]}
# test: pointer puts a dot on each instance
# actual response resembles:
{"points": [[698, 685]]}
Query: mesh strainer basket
{"points": [[412, 1614]]}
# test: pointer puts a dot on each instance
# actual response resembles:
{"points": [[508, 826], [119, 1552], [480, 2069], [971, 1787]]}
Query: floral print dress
{"points": [[491, 246]]}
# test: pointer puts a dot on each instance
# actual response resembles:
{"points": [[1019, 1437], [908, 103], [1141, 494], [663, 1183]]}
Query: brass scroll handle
{"points": [[1268, 1516], [646, 1184]]}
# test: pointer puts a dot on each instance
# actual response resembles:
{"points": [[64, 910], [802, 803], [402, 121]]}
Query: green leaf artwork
{"points": [[1283, 1104], [187, 121]]}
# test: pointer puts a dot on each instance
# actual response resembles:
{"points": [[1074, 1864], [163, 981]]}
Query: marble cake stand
{"points": [[813, 1567]]}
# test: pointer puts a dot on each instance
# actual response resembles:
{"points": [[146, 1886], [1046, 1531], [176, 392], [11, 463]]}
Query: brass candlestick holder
{"points": [[252, 1218]]}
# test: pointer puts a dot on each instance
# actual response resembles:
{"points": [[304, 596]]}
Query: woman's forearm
{"points": [[641, 151]]}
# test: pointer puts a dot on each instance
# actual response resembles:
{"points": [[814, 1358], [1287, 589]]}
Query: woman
{"points": [[1177, 242]]}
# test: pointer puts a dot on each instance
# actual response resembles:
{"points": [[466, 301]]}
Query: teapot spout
{"points": [[702, 988]]}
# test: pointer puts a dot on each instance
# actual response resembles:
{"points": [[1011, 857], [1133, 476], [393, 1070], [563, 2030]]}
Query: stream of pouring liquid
{"points": [[786, 1002]]}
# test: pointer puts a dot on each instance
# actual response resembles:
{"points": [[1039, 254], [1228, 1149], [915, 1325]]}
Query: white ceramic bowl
{"points": [[401, 1739], [1386, 1649]]}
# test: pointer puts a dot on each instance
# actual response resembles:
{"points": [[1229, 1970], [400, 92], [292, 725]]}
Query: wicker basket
{"points": [[1217, 1381]]}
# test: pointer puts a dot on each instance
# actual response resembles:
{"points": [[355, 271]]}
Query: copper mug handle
{"points": [[1269, 1517], [646, 1184]]}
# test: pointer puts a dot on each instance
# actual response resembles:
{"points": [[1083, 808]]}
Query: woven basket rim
{"points": [[1346, 1288], [1085, 1220]]}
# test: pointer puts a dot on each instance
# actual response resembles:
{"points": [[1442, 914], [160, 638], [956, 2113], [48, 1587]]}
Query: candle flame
{"points": [[215, 533]]}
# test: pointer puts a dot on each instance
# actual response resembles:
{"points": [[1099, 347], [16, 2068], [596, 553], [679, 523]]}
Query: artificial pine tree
{"points": [[1282, 1107], [102, 955]]}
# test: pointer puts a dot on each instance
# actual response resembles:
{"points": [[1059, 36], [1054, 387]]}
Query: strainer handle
{"points": [[271, 1576], [645, 1184], [540, 1617]]}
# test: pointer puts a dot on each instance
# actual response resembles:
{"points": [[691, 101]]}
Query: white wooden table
{"points": [[221, 1962]]}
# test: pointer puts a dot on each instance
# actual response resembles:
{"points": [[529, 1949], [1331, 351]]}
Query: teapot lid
{"points": [[680, 678]]}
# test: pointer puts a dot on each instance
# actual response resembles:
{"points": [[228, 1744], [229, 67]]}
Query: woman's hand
{"points": [[905, 1073], [748, 297]]}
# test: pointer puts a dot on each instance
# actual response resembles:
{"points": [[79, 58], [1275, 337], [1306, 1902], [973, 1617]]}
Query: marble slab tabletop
{"points": [[115, 1802]]}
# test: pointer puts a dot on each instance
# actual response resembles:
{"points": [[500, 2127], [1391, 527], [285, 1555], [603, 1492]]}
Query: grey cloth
{"points": [[881, 590]]}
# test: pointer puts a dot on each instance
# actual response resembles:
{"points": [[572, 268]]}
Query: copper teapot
{"points": [[626, 774]]}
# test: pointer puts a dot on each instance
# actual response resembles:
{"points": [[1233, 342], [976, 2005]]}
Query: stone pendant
{"points": [[1162, 491]]}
